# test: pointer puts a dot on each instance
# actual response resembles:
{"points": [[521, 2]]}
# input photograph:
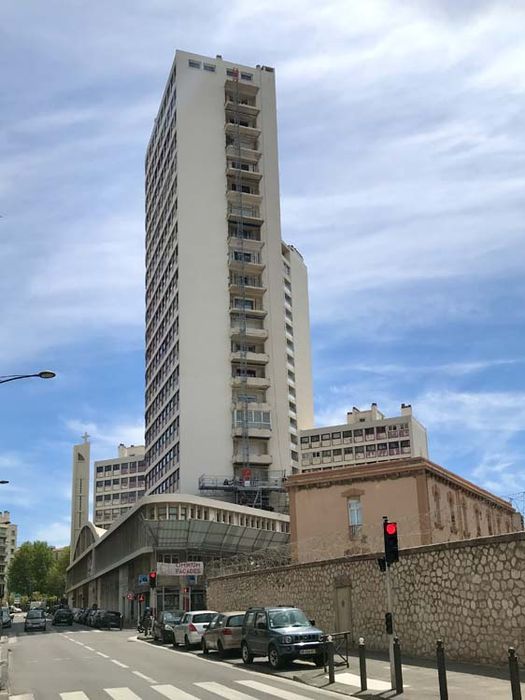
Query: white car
{"points": [[192, 627]]}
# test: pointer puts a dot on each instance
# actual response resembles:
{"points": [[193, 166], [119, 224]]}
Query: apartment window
{"points": [[305, 441], [194, 64], [209, 67], [100, 470], [246, 76], [437, 507], [453, 518], [355, 515], [477, 514]]}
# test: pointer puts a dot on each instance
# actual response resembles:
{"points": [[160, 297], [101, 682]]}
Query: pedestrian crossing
{"points": [[236, 690]]}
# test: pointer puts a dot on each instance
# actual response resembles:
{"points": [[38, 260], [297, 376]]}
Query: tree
{"points": [[56, 579], [30, 567]]}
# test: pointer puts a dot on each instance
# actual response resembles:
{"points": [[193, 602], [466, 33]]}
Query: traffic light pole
{"points": [[390, 633]]}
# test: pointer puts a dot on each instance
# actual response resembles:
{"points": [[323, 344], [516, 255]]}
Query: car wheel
{"points": [[274, 658], [204, 647], [220, 649], [187, 644], [246, 654]]}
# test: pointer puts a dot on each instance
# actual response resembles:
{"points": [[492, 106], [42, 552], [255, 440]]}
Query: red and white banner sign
{"points": [[181, 568]]}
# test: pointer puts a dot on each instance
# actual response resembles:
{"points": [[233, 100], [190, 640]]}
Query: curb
{"points": [[324, 685], [4, 667]]}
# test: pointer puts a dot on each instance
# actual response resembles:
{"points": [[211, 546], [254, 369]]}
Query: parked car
{"points": [[191, 627], [164, 624], [7, 618], [107, 619], [15, 609], [224, 633], [63, 616], [282, 634], [35, 620], [90, 617]]}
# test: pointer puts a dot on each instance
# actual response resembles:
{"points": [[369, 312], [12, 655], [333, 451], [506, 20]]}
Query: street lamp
{"points": [[45, 374]]}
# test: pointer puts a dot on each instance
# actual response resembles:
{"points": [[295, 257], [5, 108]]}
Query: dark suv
{"points": [[282, 634]]}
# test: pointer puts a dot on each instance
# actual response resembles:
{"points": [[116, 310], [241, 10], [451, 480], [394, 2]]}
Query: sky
{"points": [[402, 154]]}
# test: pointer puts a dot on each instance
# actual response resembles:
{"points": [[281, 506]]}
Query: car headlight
{"points": [[168, 627], [287, 640]]}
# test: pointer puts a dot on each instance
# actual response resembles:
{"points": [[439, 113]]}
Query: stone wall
{"points": [[470, 593]]}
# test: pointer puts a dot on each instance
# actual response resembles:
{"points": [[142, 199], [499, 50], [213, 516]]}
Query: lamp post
{"points": [[45, 374]]}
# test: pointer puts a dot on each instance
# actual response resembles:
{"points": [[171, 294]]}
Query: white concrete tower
{"points": [[79, 490], [228, 370]]}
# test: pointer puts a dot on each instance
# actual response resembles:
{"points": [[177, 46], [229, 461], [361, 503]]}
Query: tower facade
{"points": [[79, 491], [228, 370]]}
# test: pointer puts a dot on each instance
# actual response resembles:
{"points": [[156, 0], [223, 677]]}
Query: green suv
{"points": [[282, 634]]}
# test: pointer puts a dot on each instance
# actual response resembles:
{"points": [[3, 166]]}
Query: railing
{"points": [[227, 483]]}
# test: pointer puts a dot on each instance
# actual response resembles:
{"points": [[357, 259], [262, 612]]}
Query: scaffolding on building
{"points": [[253, 492]]}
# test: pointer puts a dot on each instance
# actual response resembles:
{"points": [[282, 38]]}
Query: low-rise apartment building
{"points": [[430, 504], [118, 484], [8, 535], [366, 437]]}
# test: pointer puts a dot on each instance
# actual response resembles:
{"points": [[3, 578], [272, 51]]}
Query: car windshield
{"points": [[203, 617], [235, 621], [35, 614], [288, 618], [171, 616]]}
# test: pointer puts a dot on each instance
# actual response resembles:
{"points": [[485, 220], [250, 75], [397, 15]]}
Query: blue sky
{"points": [[402, 154]]}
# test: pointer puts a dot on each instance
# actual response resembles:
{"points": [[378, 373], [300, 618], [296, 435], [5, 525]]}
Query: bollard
{"points": [[362, 663], [514, 674], [397, 666], [442, 670], [330, 658]]}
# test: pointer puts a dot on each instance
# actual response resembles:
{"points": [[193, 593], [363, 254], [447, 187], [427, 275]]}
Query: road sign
{"points": [[192, 580], [181, 568], [131, 596], [141, 598], [143, 579]]}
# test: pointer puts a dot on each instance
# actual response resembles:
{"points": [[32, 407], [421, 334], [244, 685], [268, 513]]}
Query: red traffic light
{"points": [[391, 528], [153, 574]]}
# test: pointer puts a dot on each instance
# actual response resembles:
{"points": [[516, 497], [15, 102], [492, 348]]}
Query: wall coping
{"points": [[408, 551]]}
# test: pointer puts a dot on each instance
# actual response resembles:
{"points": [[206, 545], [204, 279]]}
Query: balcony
{"points": [[254, 312], [255, 460], [248, 213], [239, 333], [233, 105], [247, 171], [246, 260], [247, 152], [260, 358], [251, 382], [245, 132]]}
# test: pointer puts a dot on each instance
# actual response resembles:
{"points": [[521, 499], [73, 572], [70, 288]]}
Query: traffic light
{"points": [[389, 623], [152, 579], [391, 544]]}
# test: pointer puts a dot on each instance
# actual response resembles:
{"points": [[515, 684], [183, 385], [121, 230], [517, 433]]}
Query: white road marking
{"points": [[89, 648], [355, 680], [27, 696], [121, 694], [13, 640], [225, 692], [105, 656], [118, 663], [169, 691], [145, 678], [272, 690], [76, 695], [202, 659]]}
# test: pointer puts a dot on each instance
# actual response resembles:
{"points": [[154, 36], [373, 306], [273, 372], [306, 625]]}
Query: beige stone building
{"points": [[8, 535], [366, 437], [340, 512]]}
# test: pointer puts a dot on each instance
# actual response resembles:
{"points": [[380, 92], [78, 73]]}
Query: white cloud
{"points": [[105, 438], [56, 533]]}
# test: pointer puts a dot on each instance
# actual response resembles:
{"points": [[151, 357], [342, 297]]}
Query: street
{"points": [[78, 663]]}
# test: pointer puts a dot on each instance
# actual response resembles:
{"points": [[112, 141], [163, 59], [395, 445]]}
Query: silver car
{"points": [[192, 626], [35, 620], [224, 633]]}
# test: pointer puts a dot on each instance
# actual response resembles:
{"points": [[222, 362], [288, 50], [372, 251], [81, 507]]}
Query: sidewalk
{"points": [[465, 682]]}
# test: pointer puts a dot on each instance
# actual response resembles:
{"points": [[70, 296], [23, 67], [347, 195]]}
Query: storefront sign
{"points": [[181, 568]]}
